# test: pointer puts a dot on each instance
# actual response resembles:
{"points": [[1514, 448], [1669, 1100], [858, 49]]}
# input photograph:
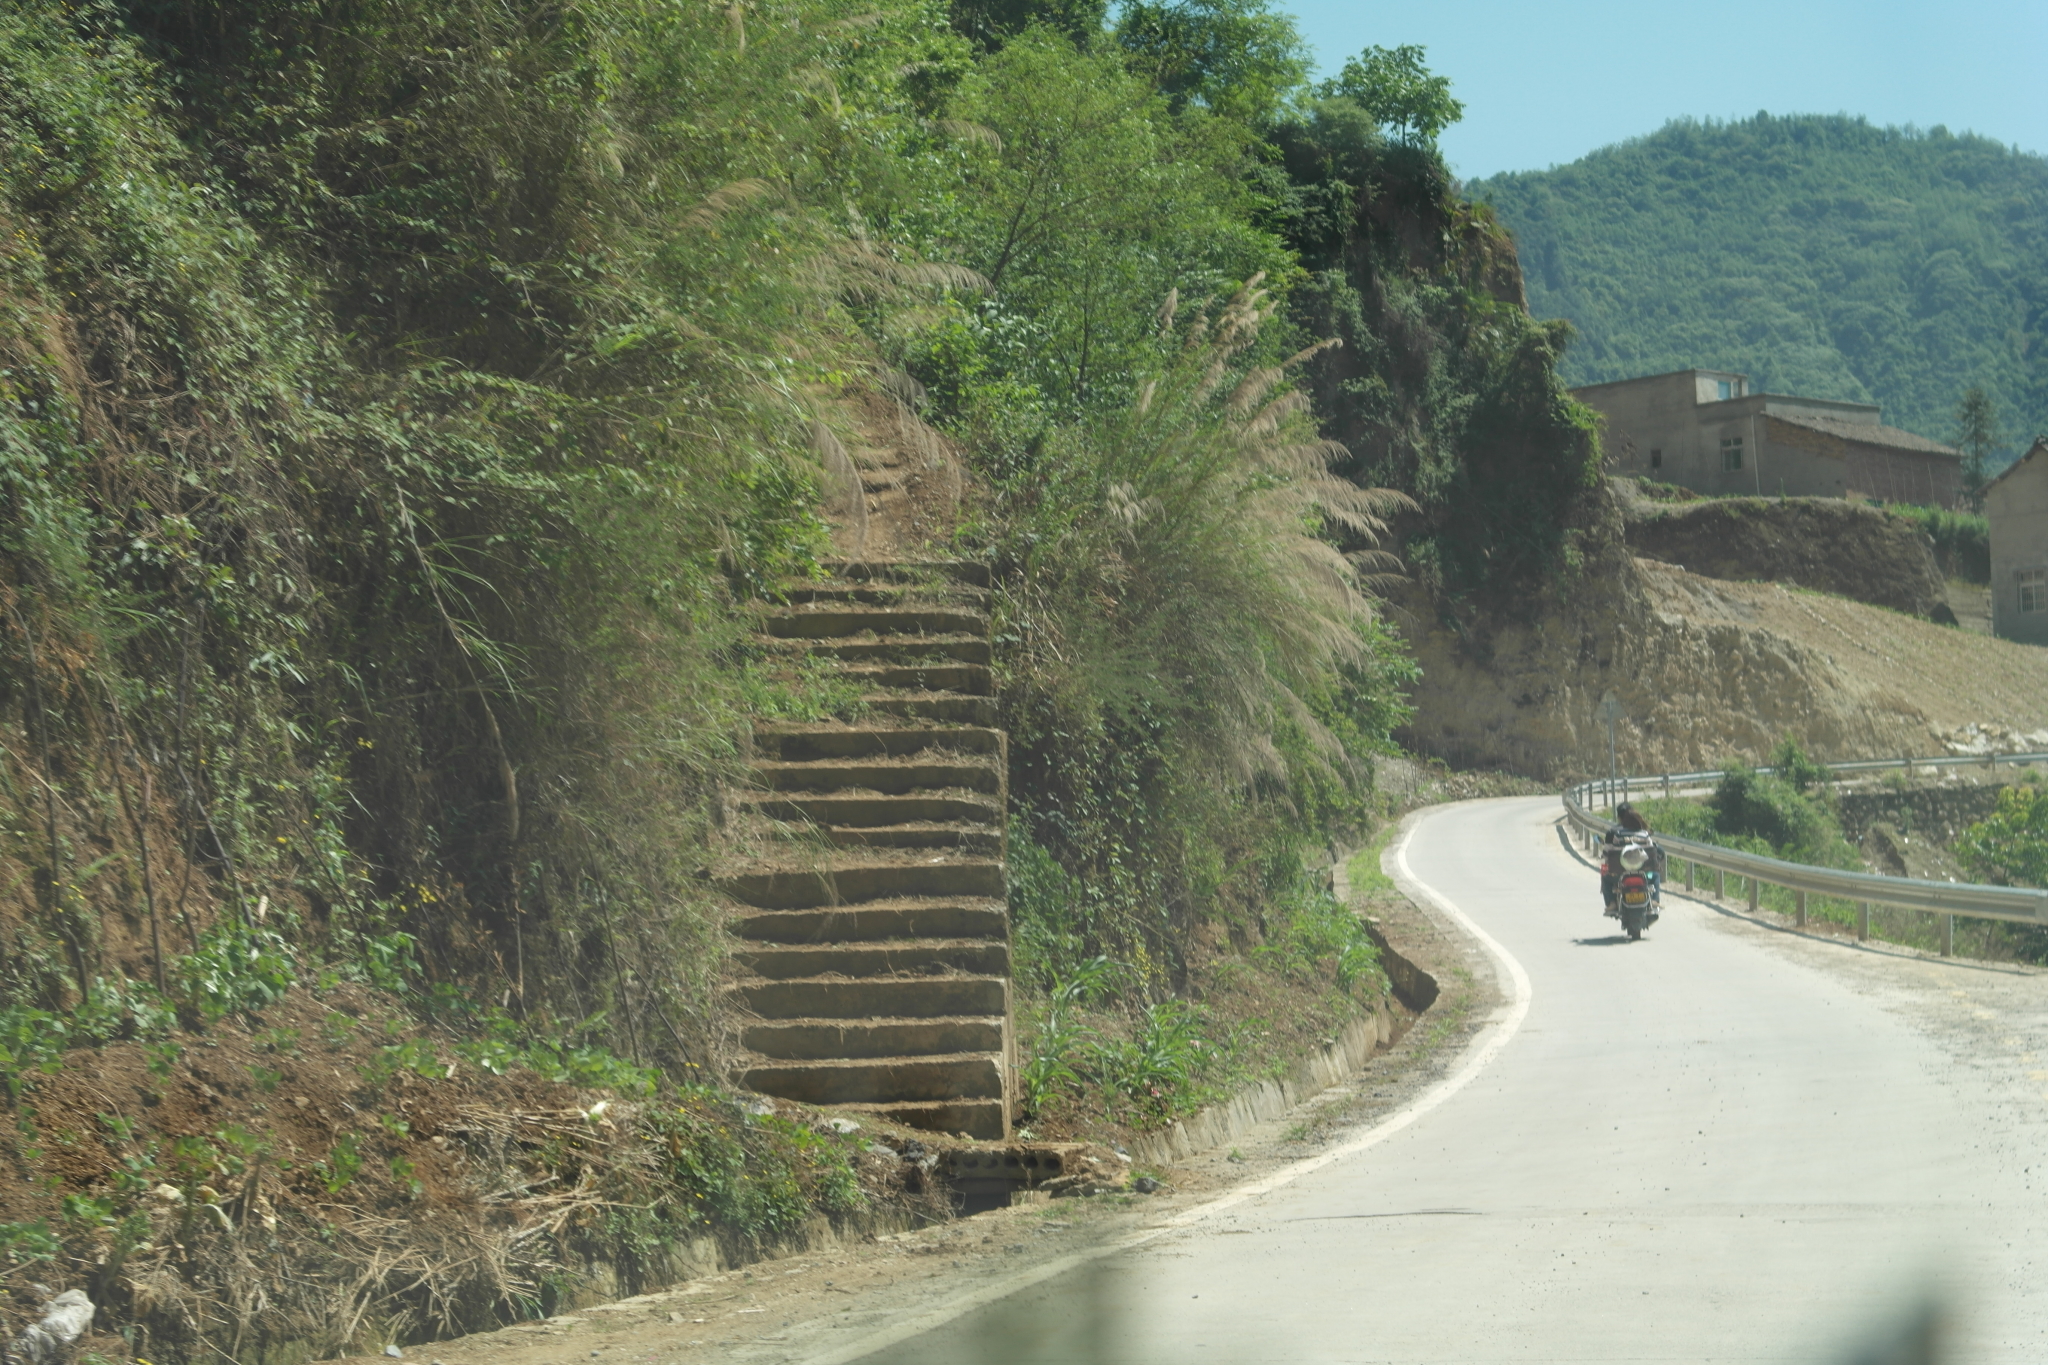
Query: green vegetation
{"points": [[1977, 435], [1962, 540], [2010, 846], [399, 407], [1819, 255]]}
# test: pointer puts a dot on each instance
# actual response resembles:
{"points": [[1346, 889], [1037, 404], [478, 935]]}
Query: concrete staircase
{"points": [[872, 968]]}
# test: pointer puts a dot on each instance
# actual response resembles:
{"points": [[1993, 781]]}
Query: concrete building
{"points": [[2016, 505], [1704, 430]]}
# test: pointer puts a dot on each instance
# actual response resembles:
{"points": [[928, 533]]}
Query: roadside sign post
{"points": [[1610, 711]]}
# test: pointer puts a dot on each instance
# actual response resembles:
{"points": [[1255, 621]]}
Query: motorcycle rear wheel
{"points": [[1632, 922]]}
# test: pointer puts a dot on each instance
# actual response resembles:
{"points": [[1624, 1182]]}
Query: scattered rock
{"points": [[65, 1318], [1145, 1184]]}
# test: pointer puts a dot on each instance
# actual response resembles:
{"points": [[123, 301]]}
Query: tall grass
{"points": [[1184, 626]]}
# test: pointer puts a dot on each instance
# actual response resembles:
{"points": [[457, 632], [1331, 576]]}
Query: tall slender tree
{"points": [[1978, 434]]}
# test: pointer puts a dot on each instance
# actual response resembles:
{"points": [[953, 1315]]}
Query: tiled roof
{"points": [[1869, 433]]}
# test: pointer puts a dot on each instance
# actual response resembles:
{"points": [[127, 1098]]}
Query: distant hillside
{"points": [[1819, 255]]}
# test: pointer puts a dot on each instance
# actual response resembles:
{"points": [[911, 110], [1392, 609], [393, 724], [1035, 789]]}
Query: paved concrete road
{"points": [[1694, 1148]]}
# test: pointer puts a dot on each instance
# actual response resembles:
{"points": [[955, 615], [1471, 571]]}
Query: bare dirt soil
{"points": [[1706, 671], [1826, 544]]}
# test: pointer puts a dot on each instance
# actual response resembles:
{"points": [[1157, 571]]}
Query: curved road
{"points": [[1690, 1149]]}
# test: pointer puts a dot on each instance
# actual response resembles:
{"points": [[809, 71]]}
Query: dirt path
{"points": [[794, 1309]]}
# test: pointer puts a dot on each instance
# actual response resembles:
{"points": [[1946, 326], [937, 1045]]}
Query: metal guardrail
{"points": [[2022, 905]]}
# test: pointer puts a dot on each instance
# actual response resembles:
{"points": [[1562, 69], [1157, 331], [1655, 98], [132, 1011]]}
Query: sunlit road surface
{"points": [[1693, 1149]]}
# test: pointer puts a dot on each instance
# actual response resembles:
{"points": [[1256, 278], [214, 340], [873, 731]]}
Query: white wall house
{"points": [[2016, 505]]}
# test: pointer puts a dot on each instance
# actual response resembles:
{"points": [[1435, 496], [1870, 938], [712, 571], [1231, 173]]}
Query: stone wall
{"points": [[1939, 813]]}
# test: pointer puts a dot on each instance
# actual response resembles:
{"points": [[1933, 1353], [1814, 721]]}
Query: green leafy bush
{"points": [[237, 968], [1746, 803], [2010, 846], [1791, 764], [1962, 540]]}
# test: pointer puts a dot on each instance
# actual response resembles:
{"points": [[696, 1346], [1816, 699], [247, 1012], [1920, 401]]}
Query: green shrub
{"points": [[1791, 765], [1771, 809], [1962, 540], [2010, 845], [1680, 818]]}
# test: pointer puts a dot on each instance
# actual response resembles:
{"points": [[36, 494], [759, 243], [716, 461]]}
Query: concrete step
{"points": [[881, 480], [973, 572], [883, 957], [957, 596], [840, 811], [936, 706], [901, 649], [809, 1039], [982, 1120], [895, 997], [825, 620], [906, 917], [803, 743], [974, 680], [861, 1080], [983, 839], [850, 878], [893, 776]]}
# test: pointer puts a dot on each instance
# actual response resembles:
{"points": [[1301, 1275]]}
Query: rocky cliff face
{"points": [[1706, 671], [1825, 544]]}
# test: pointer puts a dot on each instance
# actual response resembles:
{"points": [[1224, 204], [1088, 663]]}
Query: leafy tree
{"points": [[1977, 434], [1091, 203], [991, 23], [1818, 255], [1395, 87], [1234, 57], [2011, 844]]}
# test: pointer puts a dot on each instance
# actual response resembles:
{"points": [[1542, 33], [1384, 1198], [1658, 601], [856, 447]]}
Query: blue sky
{"points": [[1545, 84]]}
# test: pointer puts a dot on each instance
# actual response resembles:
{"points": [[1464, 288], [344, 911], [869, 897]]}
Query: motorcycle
{"points": [[1632, 870]]}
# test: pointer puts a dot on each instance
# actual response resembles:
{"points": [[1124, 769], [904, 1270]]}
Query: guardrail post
{"points": [[1755, 890], [1720, 885], [1690, 868], [1799, 908], [1863, 921], [1948, 935], [1667, 786]]}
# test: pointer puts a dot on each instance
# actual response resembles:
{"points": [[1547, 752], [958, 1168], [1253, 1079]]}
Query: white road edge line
{"points": [[1479, 1053]]}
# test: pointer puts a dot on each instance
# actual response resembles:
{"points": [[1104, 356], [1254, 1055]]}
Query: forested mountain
{"points": [[1819, 255]]}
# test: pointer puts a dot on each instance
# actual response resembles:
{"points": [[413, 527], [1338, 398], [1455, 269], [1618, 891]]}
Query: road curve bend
{"points": [[1693, 1148]]}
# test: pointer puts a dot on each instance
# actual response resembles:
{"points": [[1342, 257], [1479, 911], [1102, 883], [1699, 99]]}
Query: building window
{"points": [[1656, 458], [1726, 390], [1731, 454], [2033, 589]]}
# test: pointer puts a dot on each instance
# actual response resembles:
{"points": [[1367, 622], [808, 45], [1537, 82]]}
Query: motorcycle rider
{"points": [[1627, 820]]}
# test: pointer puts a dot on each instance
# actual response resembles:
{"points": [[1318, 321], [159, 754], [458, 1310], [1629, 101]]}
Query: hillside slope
{"points": [[1819, 255], [1709, 670]]}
